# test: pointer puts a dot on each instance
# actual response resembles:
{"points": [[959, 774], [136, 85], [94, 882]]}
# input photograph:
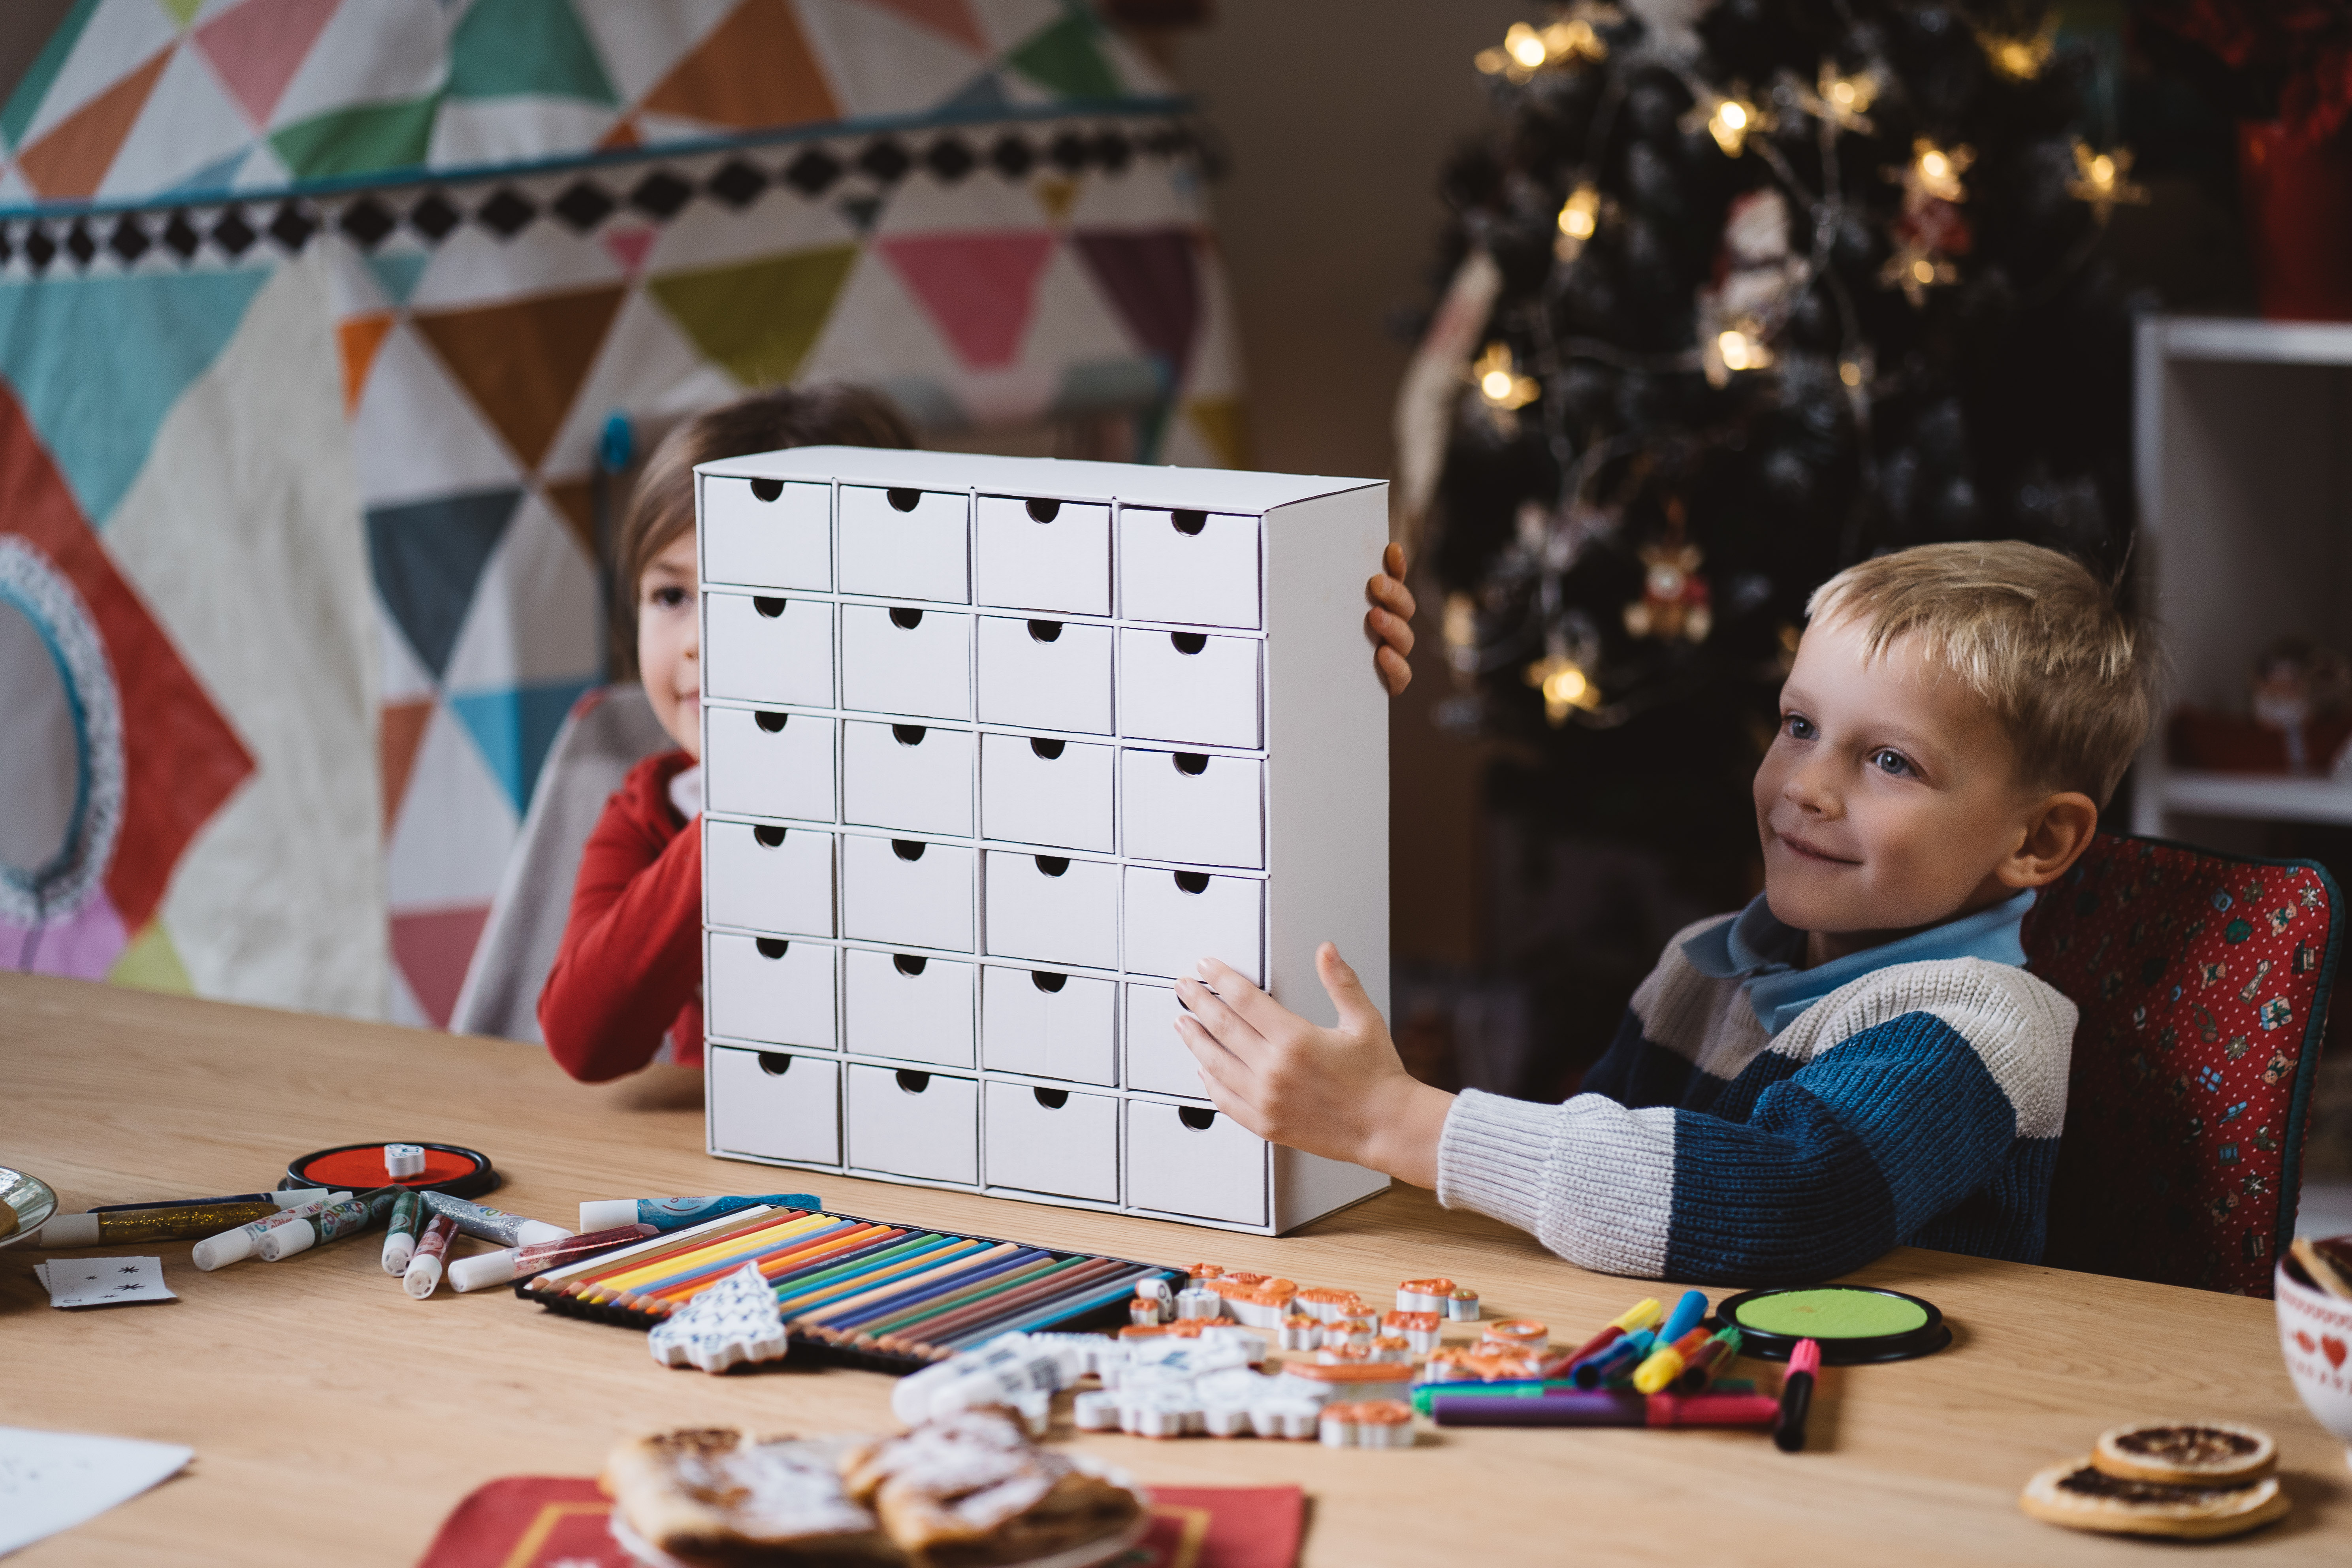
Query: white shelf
{"points": [[2257, 795], [2251, 341]]}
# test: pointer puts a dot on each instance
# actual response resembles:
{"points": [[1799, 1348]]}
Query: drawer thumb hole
{"points": [[904, 619], [768, 489], [1047, 981], [770, 946], [907, 735], [773, 723], [903, 499], [1188, 642], [769, 837], [1200, 1118], [1045, 511], [768, 607], [1189, 523], [1193, 764], [1052, 1099], [908, 849], [1192, 881], [1046, 751], [909, 963], [912, 1082], [1044, 631], [1052, 865], [775, 1063]]}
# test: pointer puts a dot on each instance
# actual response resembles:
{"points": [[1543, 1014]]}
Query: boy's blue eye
{"points": [[1798, 726], [1891, 760]]}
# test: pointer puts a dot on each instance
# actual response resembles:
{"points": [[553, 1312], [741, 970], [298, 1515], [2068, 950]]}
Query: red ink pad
{"points": [[359, 1167]]}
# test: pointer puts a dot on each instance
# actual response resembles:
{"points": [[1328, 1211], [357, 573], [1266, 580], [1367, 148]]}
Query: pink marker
{"points": [[1797, 1396], [514, 1262]]}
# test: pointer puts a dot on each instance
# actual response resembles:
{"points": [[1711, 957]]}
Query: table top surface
{"points": [[362, 1416]]}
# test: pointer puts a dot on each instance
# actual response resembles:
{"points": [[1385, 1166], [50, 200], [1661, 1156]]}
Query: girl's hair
{"points": [[662, 508]]}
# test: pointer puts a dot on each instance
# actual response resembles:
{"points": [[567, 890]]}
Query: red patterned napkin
{"points": [[557, 1521]]}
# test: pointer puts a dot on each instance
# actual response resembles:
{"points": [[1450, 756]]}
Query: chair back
{"points": [[2203, 983]]}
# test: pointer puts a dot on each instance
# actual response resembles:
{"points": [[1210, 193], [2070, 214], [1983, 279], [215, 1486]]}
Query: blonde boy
{"points": [[1856, 1060]]}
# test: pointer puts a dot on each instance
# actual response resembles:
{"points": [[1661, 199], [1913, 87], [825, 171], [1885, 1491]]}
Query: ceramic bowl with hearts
{"points": [[2316, 1333]]}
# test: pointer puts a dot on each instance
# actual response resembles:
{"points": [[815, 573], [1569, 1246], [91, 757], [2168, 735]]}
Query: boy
{"points": [[1856, 1060]]}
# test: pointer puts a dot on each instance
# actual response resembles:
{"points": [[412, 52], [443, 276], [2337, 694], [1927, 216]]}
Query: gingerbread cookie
{"points": [[2187, 1453], [2080, 1496]]}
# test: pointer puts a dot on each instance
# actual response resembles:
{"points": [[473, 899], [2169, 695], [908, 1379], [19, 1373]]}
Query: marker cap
{"points": [[220, 1251], [423, 1277], [70, 1230], [538, 1230], [604, 1213], [286, 1240], [398, 1248], [483, 1268]]}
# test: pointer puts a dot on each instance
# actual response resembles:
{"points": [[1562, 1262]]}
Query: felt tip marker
{"points": [[665, 1215], [1614, 1408], [1662, 1365], [1683, 1318], [1616, 1360], [1642, 1314], [1699, 1370], [1796, 1396]]}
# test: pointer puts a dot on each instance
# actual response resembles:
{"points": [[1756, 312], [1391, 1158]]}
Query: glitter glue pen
{"points": [[424, 1275], [295, 1198], [348, 1218], [188, 1222], [676, 1214], [400, 1232], [496, 1226], [236, 1245], [515, 1262]]}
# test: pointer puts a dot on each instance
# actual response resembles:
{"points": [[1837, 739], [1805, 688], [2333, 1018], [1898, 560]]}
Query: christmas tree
{"points": [[1743, 297]]}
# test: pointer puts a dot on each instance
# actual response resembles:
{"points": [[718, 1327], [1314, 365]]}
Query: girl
{"points": [[629, 972]]}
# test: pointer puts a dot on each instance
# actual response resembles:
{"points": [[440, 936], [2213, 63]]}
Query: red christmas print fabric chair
{"points": [[2202, 981]]}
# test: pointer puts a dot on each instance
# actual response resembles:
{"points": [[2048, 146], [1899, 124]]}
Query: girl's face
{"points": [[669, 643]]}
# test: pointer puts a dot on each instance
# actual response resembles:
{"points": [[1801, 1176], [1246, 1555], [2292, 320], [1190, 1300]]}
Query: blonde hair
{"points": [[2072, 677]]}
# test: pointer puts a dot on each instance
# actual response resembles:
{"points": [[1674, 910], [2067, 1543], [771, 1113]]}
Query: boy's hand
{"points": [[1340, 1092], [1389, 623]]}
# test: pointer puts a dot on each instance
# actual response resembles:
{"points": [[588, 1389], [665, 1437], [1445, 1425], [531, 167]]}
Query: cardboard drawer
{"points": [[909, 776], [1044, 674], [905, 1122], [1192, 806], [1053, 910], [770, 989], [909, 1005], [759, 648], [906, 543], [1048, 1023], [906, 893], [1189, 686], [906, 660], [1034, 790], [775, 1105], [1157, 1061], [1037, 554], [1172, 919], [1052, 1141], [1190, 1160], [768, 878], [1195, 566], [766, 533], [767, 762]]}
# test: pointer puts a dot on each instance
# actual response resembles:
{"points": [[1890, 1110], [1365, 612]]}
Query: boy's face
{"points": [[1889, 799], [669, 643]]}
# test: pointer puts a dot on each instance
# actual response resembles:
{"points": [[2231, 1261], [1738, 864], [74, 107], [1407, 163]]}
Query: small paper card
{"points": [[104, 1281], [50, 1480]]}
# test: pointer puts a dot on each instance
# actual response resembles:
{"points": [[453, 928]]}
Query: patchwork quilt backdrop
{"points": [[312, 314]]}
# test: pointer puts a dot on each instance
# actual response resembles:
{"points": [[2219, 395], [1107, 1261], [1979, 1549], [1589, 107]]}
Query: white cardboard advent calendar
{"points": [[994, 750]]}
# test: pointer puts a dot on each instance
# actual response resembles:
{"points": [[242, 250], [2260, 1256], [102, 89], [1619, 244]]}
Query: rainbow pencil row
{"points": [[855, 1285]]}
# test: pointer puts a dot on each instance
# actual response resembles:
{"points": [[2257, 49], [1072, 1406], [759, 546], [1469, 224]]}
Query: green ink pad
{"points": [[1855, 1326]]}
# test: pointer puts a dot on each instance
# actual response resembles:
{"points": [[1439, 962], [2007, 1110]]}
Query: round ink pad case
{"points": [[359, 1167], [1854, 1325]]}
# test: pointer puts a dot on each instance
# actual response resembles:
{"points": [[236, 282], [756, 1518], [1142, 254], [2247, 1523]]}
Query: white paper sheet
{"points": [[103, 1281], [52, 1481]]}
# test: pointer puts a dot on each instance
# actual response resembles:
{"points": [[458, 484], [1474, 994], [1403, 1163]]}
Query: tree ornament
{"points": [[2102, 180], [1760, 280], [1674, 599]]}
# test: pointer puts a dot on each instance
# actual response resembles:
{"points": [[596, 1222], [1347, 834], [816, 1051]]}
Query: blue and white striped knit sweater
{"points": [[1918, 1104]]}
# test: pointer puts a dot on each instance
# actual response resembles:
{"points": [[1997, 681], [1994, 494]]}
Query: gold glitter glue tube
{"points": [[189, 1224], [236, 1245], [346, 1218]]}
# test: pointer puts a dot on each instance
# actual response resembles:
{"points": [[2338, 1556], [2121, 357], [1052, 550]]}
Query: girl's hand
{"points": [[1338, 1092], [1389, 623]]}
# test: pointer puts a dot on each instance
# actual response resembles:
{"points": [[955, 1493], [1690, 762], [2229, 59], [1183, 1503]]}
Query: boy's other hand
{"points": [[1389, 623], [1338, 1092]]}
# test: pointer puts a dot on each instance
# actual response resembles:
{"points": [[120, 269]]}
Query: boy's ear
{"points": [[2057, 830]]}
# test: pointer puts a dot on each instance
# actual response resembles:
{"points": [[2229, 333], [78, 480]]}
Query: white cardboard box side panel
{"points": [[1034, 790], [766, 877], [1190, 1160], [1212, 489], [908, 1006], [1048, 1023], [913, 1124], [764, 761], [1308, 1187], [770, 989], [1038, 553], [762, 647], [780, 540], [1053, 1141], [915, 777], [774, 1105]]}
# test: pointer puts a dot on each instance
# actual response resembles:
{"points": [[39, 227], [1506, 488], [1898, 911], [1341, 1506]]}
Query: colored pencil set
{"points": [[856, 1291]]}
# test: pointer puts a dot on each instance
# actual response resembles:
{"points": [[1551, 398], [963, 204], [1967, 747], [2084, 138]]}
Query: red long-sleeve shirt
{"points": [[630, 967]]}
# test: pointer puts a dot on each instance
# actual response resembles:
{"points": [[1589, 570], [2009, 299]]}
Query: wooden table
{"points": [[335, 1421]]}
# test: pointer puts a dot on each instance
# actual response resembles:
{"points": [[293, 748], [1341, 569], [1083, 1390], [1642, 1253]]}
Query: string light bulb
{"points": [[1566, 688], [1499, 383], [1915, 268], [1580, 220], [1741, 351], [1937, 170], [1847, 99], [2020, 59], [2102, 180], [1730, 123], [1525, 46]]}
